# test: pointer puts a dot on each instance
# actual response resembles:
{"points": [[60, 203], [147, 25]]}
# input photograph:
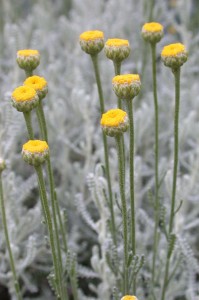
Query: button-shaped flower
{"points": [[117, 49], [128, 297], [92, 42], [152, 32], [114, 122], [28, 59], [35, 152], [126, 86], [39, 84], [24, 98], [174, 55]]}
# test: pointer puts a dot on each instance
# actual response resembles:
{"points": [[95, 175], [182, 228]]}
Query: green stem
{"points": [[42, 121], [12, 264], [156, 123], [28, 73], [40, 124], [58, 278], [117, 67], [124, 210], [27, 116], [106, 158], [175, 168], [131, 180]]}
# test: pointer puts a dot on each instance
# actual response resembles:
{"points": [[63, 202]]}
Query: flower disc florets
{"points": [[152, 32], [28, 59], [24, 98], [126, 86], [35, 152], [114, 122], [92, 42], [39, 84], [128, 297], [174, 55], [117, 49]]}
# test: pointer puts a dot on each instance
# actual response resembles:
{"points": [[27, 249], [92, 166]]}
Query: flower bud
{"points": [[92, 42], [2, 165], [174, 55], [35, 152], [24, 98], [126, 86], [128, 297], [28, 59], [152, 32], [117, 49], [39, 84], [114, 122]]}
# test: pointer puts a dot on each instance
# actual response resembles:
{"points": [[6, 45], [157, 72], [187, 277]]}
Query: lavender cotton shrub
{"points": [[95, 217]]}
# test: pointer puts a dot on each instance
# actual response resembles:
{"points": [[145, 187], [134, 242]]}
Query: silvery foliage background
{"points": [[72, 112]]}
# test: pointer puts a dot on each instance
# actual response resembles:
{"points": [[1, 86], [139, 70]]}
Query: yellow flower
{"points": [[152, 27], [114, 122], [91, 35], [92, 42], [39, 84], [174, 55], [128, 297], [27, 52], [152, 32], [28, 59], [126, 86], [117, 49], [35, 152], [24, 98]]}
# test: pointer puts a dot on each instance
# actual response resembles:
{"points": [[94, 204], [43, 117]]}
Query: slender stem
{"points": [[124, 211], [12, 264], [117, 67], [28, 73], [106, 158], [40, 124], [131, 180], [175, 168], [42, 121], [156, 124], [44, 200], [27, 116]]}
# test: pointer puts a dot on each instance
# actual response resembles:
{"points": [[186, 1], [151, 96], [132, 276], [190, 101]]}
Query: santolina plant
{"points": [[126, 261]]}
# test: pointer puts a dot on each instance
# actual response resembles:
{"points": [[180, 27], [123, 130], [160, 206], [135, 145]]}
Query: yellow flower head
{"points": [[35, 152], [174, 55], [28, 59], [23, 93], [128, 297], [91, 35], [152, 27], [152, 32], [24, 98], [92, 42], [116, 43], [126, 86], [35, 146], [173, 50], [27, 52], [114, 122], [39, 84], [117, 49]]}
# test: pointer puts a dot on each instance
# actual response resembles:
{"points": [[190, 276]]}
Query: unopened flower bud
{"points": [[35, 152], [24, 98], [92, 42], [114, 122], [117, 49], [2, 165], [174, 55], [28, 59], [39, 84], [152, 32], [126, 86]]}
